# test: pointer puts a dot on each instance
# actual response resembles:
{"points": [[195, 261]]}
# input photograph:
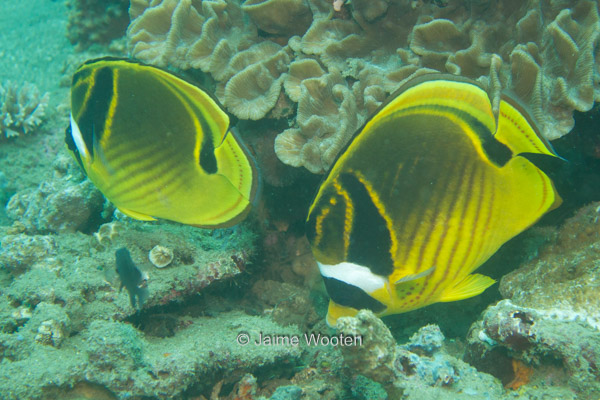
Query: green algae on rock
{"points": [[565, 275]]}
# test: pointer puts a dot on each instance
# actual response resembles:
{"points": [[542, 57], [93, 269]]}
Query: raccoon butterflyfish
{"points": [[157, 146], [425, 192]]}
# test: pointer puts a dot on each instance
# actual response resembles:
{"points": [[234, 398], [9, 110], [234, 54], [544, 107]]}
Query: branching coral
{"points": [[21, 108], [342, 66]]}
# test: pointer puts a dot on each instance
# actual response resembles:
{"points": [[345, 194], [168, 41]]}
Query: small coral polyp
{"points": [[160, 256]]}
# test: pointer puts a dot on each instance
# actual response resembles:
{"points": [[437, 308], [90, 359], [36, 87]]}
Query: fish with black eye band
{"points": [[425, 192], [157, 146]]}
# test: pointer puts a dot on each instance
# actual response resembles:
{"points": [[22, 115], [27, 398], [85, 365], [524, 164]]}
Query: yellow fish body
{"points": [[427, 190], [157, 146]]}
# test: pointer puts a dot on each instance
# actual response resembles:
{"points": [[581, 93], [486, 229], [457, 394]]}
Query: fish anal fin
{"points": [[336, 311], [470, 286], [136, 215]]}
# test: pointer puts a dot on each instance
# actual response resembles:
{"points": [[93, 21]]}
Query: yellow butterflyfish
{"points": [[425, 192], [157, 146]]}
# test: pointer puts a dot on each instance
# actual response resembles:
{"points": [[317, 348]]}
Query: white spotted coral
{"points": [[21, 108]]}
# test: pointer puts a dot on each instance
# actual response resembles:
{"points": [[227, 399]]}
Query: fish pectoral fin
{"points": [[470, 286], [412, 277], [136, 215]]}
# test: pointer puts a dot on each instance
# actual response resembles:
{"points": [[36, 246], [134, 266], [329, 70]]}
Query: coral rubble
{"points": [[22, 108], [419, 369]]}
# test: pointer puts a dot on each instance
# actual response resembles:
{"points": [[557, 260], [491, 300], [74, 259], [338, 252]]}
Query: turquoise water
{"points": [[240, 312]]}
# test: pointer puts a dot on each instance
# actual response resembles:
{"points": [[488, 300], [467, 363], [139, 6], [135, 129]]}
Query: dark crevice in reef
{"points": [[578, 178], [93, 223], [166, 320]]}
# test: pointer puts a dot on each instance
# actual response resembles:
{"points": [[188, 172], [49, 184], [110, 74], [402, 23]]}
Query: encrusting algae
{"points": [[522, 373]]}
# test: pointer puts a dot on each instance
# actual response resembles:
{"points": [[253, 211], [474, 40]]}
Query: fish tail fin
{"points": [[239, 168], [470, 286], [518, 130], [132, 300]]}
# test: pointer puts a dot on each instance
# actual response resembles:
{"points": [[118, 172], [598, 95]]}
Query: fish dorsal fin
{"points": [[518, 131], [443, 91], [470, 286], [207, 108]]}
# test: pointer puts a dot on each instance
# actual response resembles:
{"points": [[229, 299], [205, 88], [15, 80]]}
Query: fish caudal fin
{"points": [[470, 286]]}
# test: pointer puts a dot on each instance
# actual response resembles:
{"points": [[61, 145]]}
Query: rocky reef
{"points": [[426, 366], [330, 69], [61, 300]]}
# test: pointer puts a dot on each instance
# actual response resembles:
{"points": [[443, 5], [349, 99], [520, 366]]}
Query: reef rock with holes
{"points": [[550, 318], [421, 368], [64, 204]]}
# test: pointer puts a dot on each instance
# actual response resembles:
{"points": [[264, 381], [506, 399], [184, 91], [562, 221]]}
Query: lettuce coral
{"points": [[21, 108], [342, 65], [280, 17]]}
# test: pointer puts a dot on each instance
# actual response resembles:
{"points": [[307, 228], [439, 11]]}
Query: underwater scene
{"points": [[299, 199]]}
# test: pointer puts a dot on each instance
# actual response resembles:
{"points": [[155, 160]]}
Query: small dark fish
{"points": [[134, 280]]}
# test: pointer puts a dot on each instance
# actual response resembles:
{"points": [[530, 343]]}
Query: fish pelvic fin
{"points": [[136, 215], [470, 286]]}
